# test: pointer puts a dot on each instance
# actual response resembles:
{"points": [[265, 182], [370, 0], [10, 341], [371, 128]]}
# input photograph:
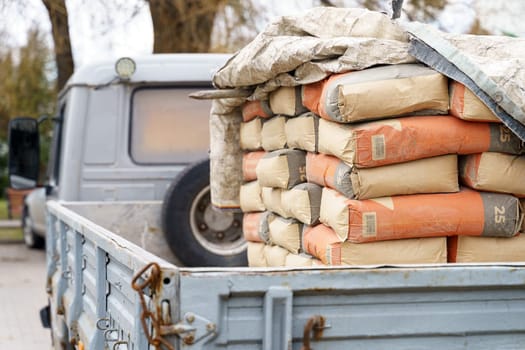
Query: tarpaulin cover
{"points": [[296, 50]]}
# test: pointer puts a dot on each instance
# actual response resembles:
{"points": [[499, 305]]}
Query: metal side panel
{"points": [[90, 271], [447, 307]]}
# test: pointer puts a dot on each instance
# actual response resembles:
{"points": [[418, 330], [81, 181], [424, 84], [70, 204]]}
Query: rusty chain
{"points": [[314, 326], [150, 280]]}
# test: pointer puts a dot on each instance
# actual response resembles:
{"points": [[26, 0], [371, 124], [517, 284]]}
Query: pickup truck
{"points": [[111, 286], [108, 293], [127, 130]]}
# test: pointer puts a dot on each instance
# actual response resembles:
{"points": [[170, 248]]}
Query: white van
{"points": [[127, 130]]}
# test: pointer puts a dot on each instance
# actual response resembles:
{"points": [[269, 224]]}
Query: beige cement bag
{"points": [[403, 251], [256, 254], [251, 139], [494, 172], [251, 198], [322, 242], [286, 233], [272, 199], [275, 255], [381, 92], [287, 100], [282, 169], [273, 136], [429, 175], [464, 249], [303, 202], [302, 260], [302, 132], [465, 105]]}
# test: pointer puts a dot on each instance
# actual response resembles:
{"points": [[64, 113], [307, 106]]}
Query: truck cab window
{"points": [[168, 127]]}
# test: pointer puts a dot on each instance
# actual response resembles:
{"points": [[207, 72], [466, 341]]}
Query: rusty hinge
{"points": [[191, 329]]}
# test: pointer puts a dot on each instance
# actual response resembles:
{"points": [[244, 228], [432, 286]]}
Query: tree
{"points": [[25, 89], [183, 26], [58, 16]]}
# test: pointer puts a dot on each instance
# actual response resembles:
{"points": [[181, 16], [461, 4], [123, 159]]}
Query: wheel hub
{"points": [[218, 231], [217, 221]]}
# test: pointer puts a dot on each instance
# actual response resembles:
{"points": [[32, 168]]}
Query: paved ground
{"points": [[22, 294]]}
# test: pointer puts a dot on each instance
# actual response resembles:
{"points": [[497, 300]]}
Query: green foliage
{"points": [[26, 89]]}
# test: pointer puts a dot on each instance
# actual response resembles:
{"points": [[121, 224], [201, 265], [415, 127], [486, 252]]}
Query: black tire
{"points": [[31, 239], [198, 234]]}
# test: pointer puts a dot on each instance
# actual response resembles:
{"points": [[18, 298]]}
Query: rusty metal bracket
{"points": [[192, 329]]}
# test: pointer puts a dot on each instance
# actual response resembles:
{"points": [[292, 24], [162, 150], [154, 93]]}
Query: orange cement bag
{"points": [[255, 226], [322, 242], [287, 100], [421, 215], [273, 136], [429, 175], [252, 109], [466, 249], [249, 164], [494, 172], [381, 92], [465, 105], [404, 139], [311, 95], [250, 135]]}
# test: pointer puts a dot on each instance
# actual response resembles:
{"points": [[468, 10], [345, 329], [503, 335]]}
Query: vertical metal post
{"points": [[101, 298], [278, 319], [51, 249], [75, 309]]}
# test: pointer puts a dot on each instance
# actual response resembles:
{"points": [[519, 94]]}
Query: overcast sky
{"points": [[93, 39]]}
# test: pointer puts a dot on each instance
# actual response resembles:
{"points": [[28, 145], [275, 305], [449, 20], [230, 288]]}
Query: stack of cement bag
{"points": [[393, 164]]}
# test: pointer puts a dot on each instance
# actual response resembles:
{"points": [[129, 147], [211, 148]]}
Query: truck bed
{"points": [[368, 307]]}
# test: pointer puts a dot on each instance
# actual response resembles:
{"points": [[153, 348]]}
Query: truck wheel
{"points": [[198, 234], [31, 239]]}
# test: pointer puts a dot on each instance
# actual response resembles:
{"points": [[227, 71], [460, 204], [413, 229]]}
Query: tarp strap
{"points": [[452, 63]]}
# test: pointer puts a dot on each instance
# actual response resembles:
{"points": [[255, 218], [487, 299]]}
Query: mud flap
{"points": [[45, 317]]}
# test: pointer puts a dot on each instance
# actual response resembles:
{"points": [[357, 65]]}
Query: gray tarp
{"points": [[305, 49]]}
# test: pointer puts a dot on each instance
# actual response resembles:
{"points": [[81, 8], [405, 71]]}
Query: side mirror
{"points": [[24, 153]]}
